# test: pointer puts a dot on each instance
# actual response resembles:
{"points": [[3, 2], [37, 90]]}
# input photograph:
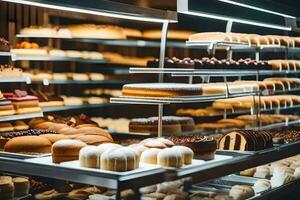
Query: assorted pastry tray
{"points": [[76, 165], [47, 160]]}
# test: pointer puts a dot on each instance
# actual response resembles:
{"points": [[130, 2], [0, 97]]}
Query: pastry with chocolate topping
{"points": [[150, 125], [204, 147]]}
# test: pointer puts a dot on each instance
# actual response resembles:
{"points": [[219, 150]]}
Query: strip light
{"points": [[242, 21], [256, 8], [92, 12]]}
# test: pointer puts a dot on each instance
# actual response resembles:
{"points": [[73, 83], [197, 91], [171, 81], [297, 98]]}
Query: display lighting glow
{"points": [[256, 8], [238, 20], [92, 12]]}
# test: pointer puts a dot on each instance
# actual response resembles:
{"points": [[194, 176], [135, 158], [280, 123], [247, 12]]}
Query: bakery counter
{"points": [[44, 167], [225, 163], [20, 116]]}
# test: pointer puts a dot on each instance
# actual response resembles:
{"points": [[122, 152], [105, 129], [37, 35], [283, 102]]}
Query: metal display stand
{"points": [[210, 170]]}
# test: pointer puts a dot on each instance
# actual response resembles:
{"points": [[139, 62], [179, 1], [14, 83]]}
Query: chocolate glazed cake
{"points": [[150, 125], [204, 147]]}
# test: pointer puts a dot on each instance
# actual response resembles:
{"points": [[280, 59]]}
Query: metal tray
{"points": [[21, 155]]}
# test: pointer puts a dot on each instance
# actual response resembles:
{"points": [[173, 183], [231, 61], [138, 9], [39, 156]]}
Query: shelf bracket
{"points": [[257, 54], [163, 45], [229, 26]]}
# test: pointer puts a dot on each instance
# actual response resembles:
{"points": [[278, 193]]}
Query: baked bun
{"points": [[28, 144], [150, 156], [22, 186], [6, 188], [241, 192], [107, 146], [138, 148], [119, 159], [66, 150], [90, 156], [262, 185], [262, 172], [187, 154], [170, 157], [160, 143]]}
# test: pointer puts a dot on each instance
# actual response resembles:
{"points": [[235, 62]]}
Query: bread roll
{"points": [[22, 186], [150, 156], [28, 144], [6, 188], [241, 192], [262, 185], [119, 159], [170, 157], [187, 154], [90, 156]]}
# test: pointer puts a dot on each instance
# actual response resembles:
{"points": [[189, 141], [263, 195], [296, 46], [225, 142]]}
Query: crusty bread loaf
{"points": [[94, 131], [28, 144], [54, 137], [93, 139]]}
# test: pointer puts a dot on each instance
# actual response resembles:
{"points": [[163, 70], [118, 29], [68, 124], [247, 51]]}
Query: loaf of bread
{"points": [[28, 145]]}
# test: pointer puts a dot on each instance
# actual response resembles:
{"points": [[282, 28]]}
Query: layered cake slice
{"points": [[22, 102], [6, 107]]}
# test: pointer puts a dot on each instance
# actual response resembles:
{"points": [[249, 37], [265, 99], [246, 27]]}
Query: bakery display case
{"points": [[221, 123]]}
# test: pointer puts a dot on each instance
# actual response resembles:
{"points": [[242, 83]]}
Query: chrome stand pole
{"points": [[163, 42]]}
